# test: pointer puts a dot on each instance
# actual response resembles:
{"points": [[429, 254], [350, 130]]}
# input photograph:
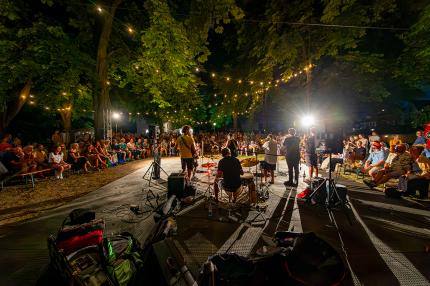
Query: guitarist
{"points": [[187, 150]]}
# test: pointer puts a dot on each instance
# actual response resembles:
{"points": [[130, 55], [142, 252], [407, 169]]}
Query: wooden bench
{"points": [[24, 175]]}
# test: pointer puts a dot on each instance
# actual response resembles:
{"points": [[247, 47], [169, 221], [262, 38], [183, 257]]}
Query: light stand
{"points": [[332, 196]]}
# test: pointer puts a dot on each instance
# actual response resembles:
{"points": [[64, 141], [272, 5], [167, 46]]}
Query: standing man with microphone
{"points": [[291, 146]]}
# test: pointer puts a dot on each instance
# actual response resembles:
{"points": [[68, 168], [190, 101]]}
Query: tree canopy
{"points": [[192, 61]]}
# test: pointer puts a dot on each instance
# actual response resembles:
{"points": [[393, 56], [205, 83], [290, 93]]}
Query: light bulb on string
{"points": [[99, 9]]}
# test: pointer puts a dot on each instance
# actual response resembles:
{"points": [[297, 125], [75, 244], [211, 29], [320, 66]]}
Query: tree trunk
{"points": [[66, 118], [101, 100], [235, 122], [12, 108]]}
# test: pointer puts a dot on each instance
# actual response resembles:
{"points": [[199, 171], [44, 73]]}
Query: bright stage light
{"points": [[116, 115], [308, 120]]}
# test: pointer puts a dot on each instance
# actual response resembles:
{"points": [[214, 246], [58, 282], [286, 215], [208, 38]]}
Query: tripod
{"points": [[209, 190], [154, 174]]}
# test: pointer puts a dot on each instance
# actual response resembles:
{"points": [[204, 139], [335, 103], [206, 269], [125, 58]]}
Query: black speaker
{"points": [[176, 185], [153, 132]]}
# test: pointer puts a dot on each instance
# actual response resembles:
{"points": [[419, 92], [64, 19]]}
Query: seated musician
{"points": [[229, 169]]}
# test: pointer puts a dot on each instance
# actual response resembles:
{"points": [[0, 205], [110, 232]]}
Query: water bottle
{"points": [[210, 210]]}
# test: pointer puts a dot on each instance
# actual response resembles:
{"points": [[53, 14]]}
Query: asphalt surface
{"points": [[382, 240]]}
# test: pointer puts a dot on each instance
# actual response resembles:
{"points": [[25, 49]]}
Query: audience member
{"points": [[375, 161], [399, 165], [57, 163], [421, 140], [77, 161]]}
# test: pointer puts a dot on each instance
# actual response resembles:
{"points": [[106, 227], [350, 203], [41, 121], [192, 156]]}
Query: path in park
{"points": [[383, 240]]}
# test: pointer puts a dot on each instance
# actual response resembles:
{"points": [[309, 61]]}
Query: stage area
{"points": [[383, 240]]}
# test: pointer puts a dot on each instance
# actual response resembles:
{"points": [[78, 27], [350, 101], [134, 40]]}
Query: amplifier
{"points": [[176, 185]]}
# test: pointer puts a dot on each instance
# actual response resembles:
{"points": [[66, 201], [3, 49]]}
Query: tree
{"points": [[162, 79], [286, 40], [38, 57], [415, 60]]}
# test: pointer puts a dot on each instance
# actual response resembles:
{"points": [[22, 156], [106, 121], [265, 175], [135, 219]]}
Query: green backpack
{"points": [[123, 259]]}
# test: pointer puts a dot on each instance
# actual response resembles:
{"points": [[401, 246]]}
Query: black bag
{"points": [[80, 216], [393, 193], [190, 191], [313, 261]]}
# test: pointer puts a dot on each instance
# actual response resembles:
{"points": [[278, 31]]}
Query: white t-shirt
{"points": [[55, 158], [270, 151], [373, 138]]}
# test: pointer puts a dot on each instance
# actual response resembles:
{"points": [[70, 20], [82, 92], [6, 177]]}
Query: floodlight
{"points": [[116, 115], [308, 120]]}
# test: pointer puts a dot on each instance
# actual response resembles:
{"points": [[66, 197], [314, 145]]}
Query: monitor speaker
{"points": [[176, 185]]}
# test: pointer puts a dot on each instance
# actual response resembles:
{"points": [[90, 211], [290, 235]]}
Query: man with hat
{"points": [[375, 161], [400, 164]]}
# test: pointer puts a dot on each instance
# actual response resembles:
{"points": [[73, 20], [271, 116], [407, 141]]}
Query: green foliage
{"points": [[40, 51], [163, 73], [421, 117], [415, 61]]}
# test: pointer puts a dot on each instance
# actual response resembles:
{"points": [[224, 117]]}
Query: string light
{"points": [[197, 69], [213, 75], [99, 9], [64, 93], [130, 30]]}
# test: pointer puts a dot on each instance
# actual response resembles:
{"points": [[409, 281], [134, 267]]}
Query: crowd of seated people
{"points": [[392, 160], [370, 155], [85, 155]]}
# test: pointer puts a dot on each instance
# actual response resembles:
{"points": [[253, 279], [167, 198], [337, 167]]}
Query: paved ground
{"points": [[383, 240]]}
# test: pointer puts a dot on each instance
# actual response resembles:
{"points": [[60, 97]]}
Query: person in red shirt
{"points": [[4, 144]]}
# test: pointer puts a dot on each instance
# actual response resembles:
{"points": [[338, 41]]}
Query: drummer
{"points": [[229, 169]]}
